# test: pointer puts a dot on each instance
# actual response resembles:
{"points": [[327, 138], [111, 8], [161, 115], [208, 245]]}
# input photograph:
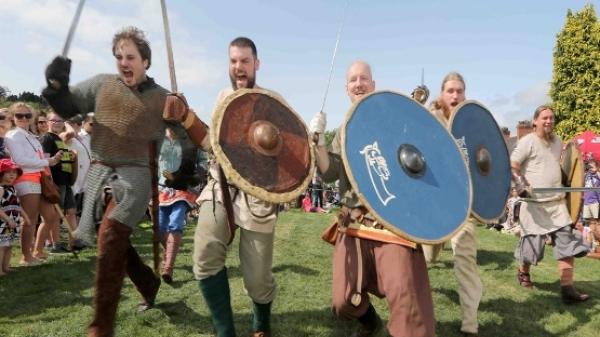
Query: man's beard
{"points": [[251, 81], [549, 134]]}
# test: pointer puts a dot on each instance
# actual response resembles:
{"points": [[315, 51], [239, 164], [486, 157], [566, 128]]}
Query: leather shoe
{"points": [[363, 331], [571, 296], [524, 279], [261, 334]]}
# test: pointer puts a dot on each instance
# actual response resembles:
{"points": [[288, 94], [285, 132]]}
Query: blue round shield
{"points": [[406, 167], [476, 131]]}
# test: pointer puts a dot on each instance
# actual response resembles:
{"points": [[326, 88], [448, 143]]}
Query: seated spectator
{"points": [[511, 224], [306, 203]]}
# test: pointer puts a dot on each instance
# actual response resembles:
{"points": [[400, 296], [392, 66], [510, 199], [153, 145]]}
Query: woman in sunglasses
{"points": [[40, 127], [26, 151]]}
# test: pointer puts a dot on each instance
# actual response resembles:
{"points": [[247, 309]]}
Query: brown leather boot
{"points": [[143, 278], [113, 241], [173, 243], [571, 296], [370, 324], [524, 279]]}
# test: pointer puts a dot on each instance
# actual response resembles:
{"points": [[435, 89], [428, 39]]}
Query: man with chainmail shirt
{"points": [[129, 109]]}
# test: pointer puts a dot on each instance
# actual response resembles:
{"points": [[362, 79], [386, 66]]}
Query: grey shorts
{"points": [[67, 199], [567, 242]]}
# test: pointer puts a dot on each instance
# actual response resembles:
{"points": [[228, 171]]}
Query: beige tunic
{"points": [[539, 162], [249, 212]]}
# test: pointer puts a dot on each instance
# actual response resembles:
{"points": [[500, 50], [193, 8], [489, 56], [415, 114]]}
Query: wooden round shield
{"points": [[262, 145], [573, 172], [406, 168]]}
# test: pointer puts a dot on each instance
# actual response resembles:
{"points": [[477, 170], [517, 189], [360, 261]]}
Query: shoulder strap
{"points": [[28, 141], [84, 147]]}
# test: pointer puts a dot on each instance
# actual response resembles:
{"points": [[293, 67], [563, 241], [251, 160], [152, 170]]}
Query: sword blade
{"points": [[169, 46], [337, 42], [71, 33], [564, 189]]}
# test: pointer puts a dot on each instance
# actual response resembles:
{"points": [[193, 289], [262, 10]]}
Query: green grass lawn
{"points": [[54, 299]]}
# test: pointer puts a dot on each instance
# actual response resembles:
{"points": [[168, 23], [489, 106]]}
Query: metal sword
{"points": [[542, 190], [564, 189], [337, 42], [71, 33]]}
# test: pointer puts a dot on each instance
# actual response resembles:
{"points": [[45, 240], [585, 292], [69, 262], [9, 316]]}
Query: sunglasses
{"points": [[42, 122], [2, 117], [56, 121], [23, 116]]}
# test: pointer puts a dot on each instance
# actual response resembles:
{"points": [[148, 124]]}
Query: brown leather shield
{"points": [[573, 172], [262, 145]]}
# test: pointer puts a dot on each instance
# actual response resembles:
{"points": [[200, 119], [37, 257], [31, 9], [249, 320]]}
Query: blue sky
{"points": [[502, 48]]}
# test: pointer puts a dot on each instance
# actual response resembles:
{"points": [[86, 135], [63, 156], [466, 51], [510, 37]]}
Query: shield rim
{"points": [[450, 123], [570, 196], [231, 173], [364, 200]]}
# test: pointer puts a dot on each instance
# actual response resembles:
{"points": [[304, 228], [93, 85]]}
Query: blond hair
{"points": [[13, 108], [438, 104]]}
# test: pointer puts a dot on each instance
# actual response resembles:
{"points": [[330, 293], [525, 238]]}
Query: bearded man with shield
{"points": [[129, 108], [535, 161], [240, 163], [367, 257]]}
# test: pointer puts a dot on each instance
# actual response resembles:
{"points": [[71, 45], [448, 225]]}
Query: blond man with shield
{"points": [[464, 243]]}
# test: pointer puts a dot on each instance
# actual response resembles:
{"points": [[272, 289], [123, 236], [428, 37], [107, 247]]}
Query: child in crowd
{"points": [[11, 213], [591, 199], [510, 226], [307, 203]]}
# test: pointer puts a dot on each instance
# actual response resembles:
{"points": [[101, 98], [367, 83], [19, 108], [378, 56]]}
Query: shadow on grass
{"points": [[301, 323], [495, 260], [294, 268], [533, 316], [530, 315], [58, 283]]}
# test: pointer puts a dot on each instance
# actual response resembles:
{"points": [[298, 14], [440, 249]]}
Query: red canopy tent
{"points": [[589, 144]]}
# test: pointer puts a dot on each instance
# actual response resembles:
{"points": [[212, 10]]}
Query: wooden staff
{"points": [[154, 208], [69, 229]]}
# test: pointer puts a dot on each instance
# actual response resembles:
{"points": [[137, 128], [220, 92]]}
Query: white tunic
{"points": [[540, 164]]}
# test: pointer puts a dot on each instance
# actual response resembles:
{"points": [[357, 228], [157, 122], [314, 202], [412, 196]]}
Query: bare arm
{"points": [[322, 159]]}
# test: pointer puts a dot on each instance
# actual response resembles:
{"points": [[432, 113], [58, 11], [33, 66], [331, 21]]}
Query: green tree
{"points": [[4, 92], [575, 87], [329, 135]]}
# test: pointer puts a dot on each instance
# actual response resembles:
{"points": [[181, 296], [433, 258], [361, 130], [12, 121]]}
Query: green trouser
{"points": [[215, 290], [262, 317]]}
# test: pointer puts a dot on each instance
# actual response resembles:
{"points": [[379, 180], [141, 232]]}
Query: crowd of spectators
{"points": [[38, 144]]}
